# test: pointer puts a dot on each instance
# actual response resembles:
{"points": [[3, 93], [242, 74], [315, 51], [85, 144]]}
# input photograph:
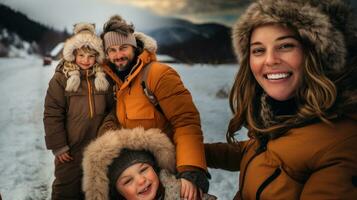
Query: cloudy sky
{"points": [[222, 11], [144, 14]]}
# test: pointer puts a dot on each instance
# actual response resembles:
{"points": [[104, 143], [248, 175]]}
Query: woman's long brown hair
{"points": [[315, 97]]}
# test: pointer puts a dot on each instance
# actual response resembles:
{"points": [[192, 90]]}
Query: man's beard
{"points": [[122, 66]]}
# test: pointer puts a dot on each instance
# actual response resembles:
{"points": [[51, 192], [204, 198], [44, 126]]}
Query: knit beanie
{"points": [[114, 38], [127, 158], [116, 31]]}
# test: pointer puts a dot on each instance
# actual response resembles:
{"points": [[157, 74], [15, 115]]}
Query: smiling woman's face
{"points": [[276, 60]]}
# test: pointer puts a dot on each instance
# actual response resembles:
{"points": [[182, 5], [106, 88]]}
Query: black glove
{"points": [[199, 178]]}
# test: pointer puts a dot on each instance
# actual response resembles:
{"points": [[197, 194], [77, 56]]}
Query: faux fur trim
{"points": [[83, 37], [73, 81], [100, 82], [312, 23], [173, 187], [100, 154], [80, 27], [149, 42], [71, 71]]}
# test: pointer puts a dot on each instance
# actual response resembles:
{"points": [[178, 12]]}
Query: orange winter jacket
{"points": [[315, 162], [180, 118]]}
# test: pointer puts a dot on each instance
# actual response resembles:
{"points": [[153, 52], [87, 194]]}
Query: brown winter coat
{"points": [[71, 121], [181, 120], [315, 162], [72, 118]]}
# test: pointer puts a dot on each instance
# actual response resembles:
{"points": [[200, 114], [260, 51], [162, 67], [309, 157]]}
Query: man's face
{"points": [[121, 55]]}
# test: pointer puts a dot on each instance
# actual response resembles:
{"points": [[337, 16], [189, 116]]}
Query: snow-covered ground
{"points": [[26, 168]]}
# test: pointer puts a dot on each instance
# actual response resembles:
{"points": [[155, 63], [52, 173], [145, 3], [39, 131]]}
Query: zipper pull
{"points": [[263, 142]]}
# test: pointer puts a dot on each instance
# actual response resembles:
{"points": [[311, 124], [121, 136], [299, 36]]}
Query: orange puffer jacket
{"points": [[318, 161], [180, 118]]}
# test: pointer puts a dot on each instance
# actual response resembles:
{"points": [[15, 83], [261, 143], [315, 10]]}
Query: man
{"points": [[129, 56]]}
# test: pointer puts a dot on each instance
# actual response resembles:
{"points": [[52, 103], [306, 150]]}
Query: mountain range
{"points": [[195, 43], [180, 39]]}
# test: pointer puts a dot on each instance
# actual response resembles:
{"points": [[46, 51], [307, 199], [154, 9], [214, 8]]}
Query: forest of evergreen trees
{"points": [[42, 37]]}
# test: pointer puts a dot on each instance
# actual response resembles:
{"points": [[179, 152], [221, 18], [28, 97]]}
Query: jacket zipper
{"points": [[90, 97], [262, 147], [270, 179], [245, 171]]}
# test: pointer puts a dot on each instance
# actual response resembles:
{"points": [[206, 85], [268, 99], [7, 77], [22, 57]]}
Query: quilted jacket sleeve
{"points": [[178, 107], [224, 156], [55, 113]]}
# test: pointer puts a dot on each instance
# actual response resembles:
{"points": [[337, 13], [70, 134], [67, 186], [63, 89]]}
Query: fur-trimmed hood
{"points": [[84, 35], [148, 42], [324, 24], [100, 154]]}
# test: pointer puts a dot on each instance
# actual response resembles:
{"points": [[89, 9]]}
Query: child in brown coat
{"points": [[77, 99]]}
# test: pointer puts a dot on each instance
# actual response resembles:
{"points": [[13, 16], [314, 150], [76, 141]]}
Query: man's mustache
{"points": [[121, 59]]}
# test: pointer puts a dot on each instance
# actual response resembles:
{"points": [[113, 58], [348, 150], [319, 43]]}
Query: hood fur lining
{"points": [[149, 42], [100, 154]]}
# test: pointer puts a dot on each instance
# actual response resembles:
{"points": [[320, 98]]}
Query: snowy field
{"points": [[26, 166]]}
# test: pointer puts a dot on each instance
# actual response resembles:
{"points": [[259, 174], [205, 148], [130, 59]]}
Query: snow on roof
{"points": [[55, 51], [165, 58]]}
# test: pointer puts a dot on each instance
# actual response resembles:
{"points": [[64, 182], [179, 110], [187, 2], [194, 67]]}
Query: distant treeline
{"points": [[29, 30], [181, 39]]}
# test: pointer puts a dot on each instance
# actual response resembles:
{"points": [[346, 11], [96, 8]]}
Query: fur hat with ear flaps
{"points": [[328, 27], [100, 154], [84, 36], [319, 23]]}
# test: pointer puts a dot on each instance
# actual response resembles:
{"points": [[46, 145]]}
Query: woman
{"points": [[295, 93]]}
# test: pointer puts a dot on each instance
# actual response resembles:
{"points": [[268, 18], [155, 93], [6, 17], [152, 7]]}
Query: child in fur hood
{"points": [[131, 164], [78, 97]]}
